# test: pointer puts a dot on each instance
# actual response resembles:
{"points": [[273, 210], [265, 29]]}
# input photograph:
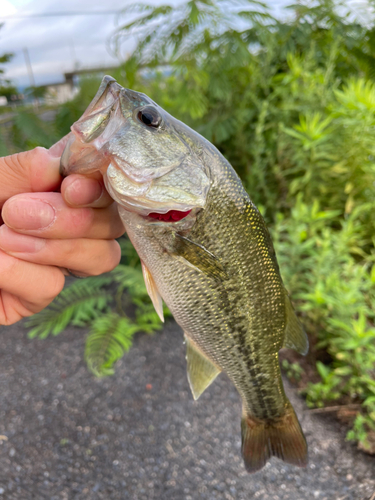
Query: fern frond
{"points": [[146, 317], [110, 337], [78, 304], [129, 254], [130, 278]]}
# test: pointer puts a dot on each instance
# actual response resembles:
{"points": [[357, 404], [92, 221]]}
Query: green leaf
{"points": [[323, 370], [78, 305], [109, 338]]}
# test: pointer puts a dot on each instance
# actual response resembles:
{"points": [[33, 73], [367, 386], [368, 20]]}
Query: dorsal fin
{"points": [[153, 291], [200, 370], [295, 335]]}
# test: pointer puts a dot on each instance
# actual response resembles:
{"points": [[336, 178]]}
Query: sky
{"points": [[59, 44]]}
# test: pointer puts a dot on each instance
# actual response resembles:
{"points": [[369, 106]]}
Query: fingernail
{"points": [[28, 214], [12, 242], [83, 192]]}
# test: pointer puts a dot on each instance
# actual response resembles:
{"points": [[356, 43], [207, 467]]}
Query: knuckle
{"points": [[108, 259], [82, 220], [117, 229], [119, 232], [56, 282], [9, 266], [36, 153], [115, 256], [69, 250], [35, 157]]}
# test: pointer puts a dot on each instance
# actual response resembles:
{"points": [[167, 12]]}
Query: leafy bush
{"points": [[335, 293]]}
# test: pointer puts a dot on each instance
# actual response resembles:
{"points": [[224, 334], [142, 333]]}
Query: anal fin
{"points": [[153, 291], [200, 370], [295, 335]]}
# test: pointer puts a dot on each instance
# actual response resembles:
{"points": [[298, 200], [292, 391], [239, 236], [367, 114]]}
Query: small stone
{"points": [[12, 452], [2, 491]]}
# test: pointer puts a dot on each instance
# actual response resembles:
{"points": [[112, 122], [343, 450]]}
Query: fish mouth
{"points": [[170, 216]]}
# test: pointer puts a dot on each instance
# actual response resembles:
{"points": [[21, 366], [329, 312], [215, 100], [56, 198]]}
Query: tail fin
{"points": [[282, 438]]}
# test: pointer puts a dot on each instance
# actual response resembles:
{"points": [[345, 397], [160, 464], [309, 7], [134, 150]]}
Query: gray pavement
{"points": [[139, 435]]}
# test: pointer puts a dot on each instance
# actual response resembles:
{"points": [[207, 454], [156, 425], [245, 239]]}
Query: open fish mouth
{"points": [[171, 216]]}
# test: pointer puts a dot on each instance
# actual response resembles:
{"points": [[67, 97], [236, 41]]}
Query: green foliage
{"points": [[333, 283], [4, 58], [36, 92], [77, 305], [110, 337], [290, 102], [29, 128], [29, 131], [103, 304], [3, 147], [7, 90], [293, 371]]}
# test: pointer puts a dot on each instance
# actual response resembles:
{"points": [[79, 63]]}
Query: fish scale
{"points": [[205, 250]]}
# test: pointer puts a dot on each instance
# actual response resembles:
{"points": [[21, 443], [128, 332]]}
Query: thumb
{"points": [[36, 170]]}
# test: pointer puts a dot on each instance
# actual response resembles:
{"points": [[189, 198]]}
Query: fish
{"points": [[205, 251]]}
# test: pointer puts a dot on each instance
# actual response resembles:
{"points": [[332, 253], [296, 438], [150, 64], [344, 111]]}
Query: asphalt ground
{"points": [[139, 434]]}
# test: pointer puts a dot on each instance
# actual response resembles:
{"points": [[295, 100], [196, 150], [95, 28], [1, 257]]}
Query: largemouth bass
{"points": [[205, 250]]}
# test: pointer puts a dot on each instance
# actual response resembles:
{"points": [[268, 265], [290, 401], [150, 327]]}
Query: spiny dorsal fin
{"points": [[295, 335], [199, 258], [153, 291], [200, 370]]}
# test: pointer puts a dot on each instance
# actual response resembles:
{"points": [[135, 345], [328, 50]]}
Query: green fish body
{"points": [[215, 267]]}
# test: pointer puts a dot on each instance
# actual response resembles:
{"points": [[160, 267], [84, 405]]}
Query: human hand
{"points": [[45, 233]]}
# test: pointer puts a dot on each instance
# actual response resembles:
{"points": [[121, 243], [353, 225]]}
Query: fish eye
{"points": [[150, 117]]}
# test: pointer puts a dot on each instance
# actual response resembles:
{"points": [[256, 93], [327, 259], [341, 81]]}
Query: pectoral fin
{"points": [[200, 370], [199, 258], [153, 291], [295, 335]]}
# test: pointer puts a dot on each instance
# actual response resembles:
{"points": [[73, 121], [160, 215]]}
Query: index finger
{"points": [[30, 171]]}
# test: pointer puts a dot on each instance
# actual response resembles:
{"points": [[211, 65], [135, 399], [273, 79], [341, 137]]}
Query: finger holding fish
{"points": [[46, 215], [26, 288], [76, 254], [80, 191]]}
